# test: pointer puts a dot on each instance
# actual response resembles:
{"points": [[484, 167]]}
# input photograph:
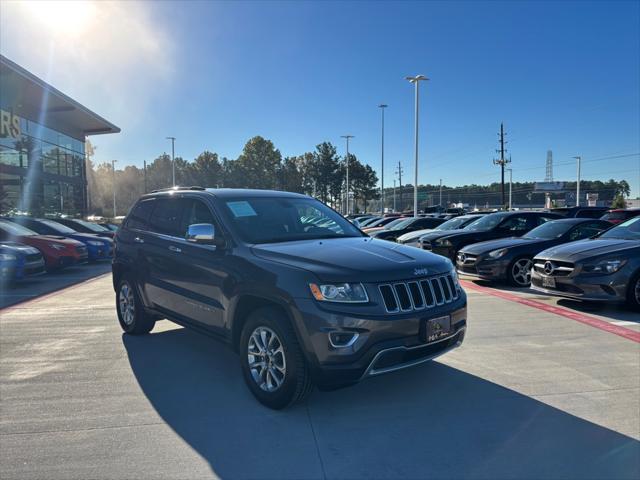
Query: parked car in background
{"points": [[366, 222], [619, 215], [358, 221], [413, 238], [580, 212], [409, 225], [511, 259], [98, 248], [381, 222], [18, 261], [58, 251], [490, 227], [109, 226], [83, 226], [605, 268]]}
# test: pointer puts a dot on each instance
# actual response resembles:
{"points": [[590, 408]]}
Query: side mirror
{"points": [[203, 233]]}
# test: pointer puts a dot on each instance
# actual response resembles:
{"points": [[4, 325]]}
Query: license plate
{"points": [[549, 282], [438, 328]]}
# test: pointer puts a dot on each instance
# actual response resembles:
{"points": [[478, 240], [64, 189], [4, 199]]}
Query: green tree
{"points": [[326, 172], [257, 165], [618, 202], [290, 176]]}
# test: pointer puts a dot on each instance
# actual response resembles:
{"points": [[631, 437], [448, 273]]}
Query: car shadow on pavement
{"points": [[431, 421]]}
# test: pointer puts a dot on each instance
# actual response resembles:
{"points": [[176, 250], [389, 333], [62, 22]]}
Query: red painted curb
{"points": [[578, 317], [50, 294]]}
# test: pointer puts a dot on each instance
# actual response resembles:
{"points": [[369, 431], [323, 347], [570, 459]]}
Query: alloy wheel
{"points": [[637, 291], [127, 304], [521, 272], [267, 362]]}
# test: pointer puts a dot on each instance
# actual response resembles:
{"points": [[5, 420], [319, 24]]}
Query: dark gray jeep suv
{"points": [[300, 303]]}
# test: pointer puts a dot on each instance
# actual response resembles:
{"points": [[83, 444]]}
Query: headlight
{"points": [[57, 246], [498, 253], [605, 266], [7, 256], [444, 243], [339, 292], [96, 244]]}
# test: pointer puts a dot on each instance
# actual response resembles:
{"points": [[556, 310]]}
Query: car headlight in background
{"points": [[57, 246], [7, 257], [444, 243], [604, 266], [339, 292], [498, 253]]}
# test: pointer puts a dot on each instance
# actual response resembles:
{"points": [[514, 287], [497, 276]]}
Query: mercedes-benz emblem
{"points": [[463, 257], [549, 268]]}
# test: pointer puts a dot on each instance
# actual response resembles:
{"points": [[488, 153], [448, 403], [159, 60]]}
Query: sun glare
{"points": [[63, 17]]}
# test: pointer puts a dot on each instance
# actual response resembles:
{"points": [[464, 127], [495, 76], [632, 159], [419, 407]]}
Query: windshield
{"points": [[486, 223], [277, 219], [15, 230], [400, 224], [549, 230], [58, 227], [454, 223], [629, 230], [94, 227], [385, 222]]}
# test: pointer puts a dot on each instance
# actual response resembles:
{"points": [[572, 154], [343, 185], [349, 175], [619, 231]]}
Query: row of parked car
{"points": [[583, 253], [32, 246]]}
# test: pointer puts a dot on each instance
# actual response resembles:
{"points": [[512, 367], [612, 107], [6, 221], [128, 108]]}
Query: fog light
{"points": [[342, 339]]}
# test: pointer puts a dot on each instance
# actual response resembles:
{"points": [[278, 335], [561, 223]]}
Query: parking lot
{"points": [[534, 392]]}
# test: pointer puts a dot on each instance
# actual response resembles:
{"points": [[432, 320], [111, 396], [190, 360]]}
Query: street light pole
{"points": [[347, 137], [382, 106], [173, 160], [510, 186], [579, 159], [113, 171], [416, 80], [440, 203]]}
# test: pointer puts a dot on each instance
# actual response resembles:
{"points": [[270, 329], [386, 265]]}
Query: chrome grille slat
{"points": [[414, 295]]}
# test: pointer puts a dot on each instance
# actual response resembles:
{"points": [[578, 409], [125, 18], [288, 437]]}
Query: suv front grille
{"points": [[418, 295]]}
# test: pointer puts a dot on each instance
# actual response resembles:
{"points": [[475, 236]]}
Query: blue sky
{"points": [[562, 76]]}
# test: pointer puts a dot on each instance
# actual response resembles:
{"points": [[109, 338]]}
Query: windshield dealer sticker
{"points": [[242, 209]]}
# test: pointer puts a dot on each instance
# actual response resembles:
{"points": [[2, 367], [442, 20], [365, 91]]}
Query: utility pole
{"points": [[579, 159], [510, 186], [144, 164], [440, 204], [113, 170], [502, 161], [173, 160], [416, 80], [347, 137], [382, 106], [399, 173], [394, 196]]}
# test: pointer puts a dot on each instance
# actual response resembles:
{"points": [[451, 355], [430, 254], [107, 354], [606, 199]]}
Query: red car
{"points": [[620, 215], [58, 252]]}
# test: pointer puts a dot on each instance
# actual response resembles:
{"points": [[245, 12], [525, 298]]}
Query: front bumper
{"points": [[598, 288], [484, 268], [385, 343]]}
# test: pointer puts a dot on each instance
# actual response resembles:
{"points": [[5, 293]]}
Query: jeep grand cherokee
{"points": [[301, 304]]}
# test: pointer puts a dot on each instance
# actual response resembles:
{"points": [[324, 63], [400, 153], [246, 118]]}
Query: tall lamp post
{"points": [[113, 171], [347, 137], [579, 159], [173, 160], [416, 80], [382, 106]]}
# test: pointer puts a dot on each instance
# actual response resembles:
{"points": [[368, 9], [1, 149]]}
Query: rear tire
{"points": [[519, 272], [132, 315], [273, 364], [633, 295]]}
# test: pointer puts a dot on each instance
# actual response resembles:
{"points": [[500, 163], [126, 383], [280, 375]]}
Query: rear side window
{"points": [[586, 230], [139, 216], [542, 219], [589, 213], [166, 216]]}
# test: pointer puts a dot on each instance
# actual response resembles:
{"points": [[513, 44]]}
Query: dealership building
{"points": [[43, 169]]}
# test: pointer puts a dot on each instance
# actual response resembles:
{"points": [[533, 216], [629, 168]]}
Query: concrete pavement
{"points": [[529, 395]]}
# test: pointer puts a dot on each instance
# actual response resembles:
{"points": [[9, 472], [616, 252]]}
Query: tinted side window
{"points": [[516, 224], [195, 211], [166, 215], [542, 219], [589, 213], [586, 230], [139, 216]]}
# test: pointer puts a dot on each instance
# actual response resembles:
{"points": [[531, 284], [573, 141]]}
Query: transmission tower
{"points": [[549, 176]]}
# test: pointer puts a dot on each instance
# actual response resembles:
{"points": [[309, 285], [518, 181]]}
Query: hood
{"points": [[490, 245], [586, 249], [435, 234], [407, 237], [85, 237], [358, 259], [369, 231], [46, 239], [19, 248]]}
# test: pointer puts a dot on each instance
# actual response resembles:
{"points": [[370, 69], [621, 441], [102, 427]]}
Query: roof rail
{"points": [[194, 187]]}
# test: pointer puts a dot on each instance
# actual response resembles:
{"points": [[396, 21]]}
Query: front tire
{"points": [[273, 364], [519, 272], [131, 313], [633, 295]]}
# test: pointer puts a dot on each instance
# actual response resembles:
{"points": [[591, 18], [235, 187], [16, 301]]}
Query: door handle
{"points": [[175, 249], [138, 240]]}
